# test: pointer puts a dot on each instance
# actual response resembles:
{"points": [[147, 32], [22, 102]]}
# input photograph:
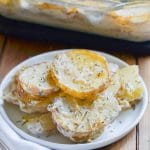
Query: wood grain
{"points": [[2, 45], [130, 59], [144, 126], [2, 39], [17, 50], [129, 141]]}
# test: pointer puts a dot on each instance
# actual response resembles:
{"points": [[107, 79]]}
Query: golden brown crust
{"points": [[56, 7], [77, 94], [29, 103], [48, 6], [25, 97], [82, 94], [70, 12]]}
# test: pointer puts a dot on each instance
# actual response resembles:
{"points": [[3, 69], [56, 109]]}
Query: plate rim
{"points": [[95, 144]]}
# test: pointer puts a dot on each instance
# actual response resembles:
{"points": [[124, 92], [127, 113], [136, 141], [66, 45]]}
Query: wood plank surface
{"points": [[2, 38], [144, 126], [2, 45], [17, 50]]}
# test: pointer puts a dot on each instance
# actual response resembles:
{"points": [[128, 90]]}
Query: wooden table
{"points": [[13, 51]]}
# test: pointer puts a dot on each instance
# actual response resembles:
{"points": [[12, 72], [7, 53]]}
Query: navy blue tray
{"points": [[72, 38]]}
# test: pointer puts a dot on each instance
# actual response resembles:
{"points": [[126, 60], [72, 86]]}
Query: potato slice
{"points": [[33, 80], [80, 73], [131, 88], [83, 122], [39, 124]]}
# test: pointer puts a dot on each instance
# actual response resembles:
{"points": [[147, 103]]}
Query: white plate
{"points": [[123, 124]]}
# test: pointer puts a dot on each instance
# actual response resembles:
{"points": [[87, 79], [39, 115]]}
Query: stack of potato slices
{"points": [[78, 92], [32, 93], [33, 90]]}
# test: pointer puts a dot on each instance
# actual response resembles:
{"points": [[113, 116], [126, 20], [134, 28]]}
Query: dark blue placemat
{"points": [[75, 39]]}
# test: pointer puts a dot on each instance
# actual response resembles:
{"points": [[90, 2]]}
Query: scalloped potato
{"points": [[79, 93], [80, 73]]}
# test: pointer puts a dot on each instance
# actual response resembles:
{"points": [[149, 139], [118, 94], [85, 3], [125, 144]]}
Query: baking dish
{"points": [[129, 20]]}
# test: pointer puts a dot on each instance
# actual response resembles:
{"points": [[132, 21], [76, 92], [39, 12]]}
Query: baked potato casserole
{"points": [[129, 20]]}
